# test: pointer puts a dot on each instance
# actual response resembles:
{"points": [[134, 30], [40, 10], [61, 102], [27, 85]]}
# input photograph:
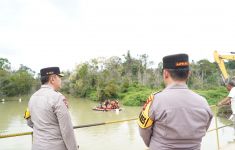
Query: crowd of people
{"points": [[109, 104]]}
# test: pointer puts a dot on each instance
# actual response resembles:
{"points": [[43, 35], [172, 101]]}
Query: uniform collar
{"points": [[46, 86], [177, 86]]}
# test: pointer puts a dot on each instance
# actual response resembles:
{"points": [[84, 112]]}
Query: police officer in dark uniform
{"points": [[175, 118], [49, 116]]}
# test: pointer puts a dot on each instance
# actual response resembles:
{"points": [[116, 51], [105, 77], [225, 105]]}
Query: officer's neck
{"points": [[170, 81], [52, 86]]}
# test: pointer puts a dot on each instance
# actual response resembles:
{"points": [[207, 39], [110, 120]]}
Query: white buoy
{"points": [[20, 100], [3, 100], [117, 111]]}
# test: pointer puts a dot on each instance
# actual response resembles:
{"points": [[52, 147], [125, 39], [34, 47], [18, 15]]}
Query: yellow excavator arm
{"points": [[219, 59]]}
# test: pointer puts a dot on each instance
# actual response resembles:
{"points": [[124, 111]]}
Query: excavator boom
{"points": [[221, 65], [219, 59]]}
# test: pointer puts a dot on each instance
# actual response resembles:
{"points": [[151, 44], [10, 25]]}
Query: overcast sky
{"points": [[42, 33]]}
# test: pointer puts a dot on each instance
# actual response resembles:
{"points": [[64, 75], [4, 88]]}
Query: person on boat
{"points": [[113, 104], [107, 104], [117, 104], [175, 118], [48, 115], [100, 106], [230, 99]]}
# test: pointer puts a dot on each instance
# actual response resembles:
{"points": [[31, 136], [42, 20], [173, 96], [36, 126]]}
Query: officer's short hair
{"points": [[179, 74], [231, 81], [44, 79]]}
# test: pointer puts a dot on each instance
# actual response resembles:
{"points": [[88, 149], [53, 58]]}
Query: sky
{"points": [[44, 33]]}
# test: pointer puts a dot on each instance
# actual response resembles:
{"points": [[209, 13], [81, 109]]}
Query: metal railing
{"points": [[216, 129], [126, 120]]}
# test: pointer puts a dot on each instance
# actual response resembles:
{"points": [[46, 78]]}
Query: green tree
{"points": [[204, 74], [4, 75], [20, 82], [82, 80], [5, 64]]}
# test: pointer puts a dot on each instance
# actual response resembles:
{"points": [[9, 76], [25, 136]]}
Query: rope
{"points": [[75, 127], [103, 123], [219, 127], [15, 134]]}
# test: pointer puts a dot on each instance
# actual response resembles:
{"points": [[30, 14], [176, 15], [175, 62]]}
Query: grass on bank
{"points": [[137, 96]]}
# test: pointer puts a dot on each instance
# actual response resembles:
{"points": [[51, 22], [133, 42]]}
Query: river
{"points": [[118, 136]]}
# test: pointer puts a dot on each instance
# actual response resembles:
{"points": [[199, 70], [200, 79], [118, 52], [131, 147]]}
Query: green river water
{"points": [[118, 136]]}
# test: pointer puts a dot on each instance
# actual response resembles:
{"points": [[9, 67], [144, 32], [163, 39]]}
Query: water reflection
{"points": [[110, 136], [11, 118]]}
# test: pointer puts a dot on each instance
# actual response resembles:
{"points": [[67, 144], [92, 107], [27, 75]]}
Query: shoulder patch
{"points": [[144, 120], [150, 99], [27, 114], [66, 102]]}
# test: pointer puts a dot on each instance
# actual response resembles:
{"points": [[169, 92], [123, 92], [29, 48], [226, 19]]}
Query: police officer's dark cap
{"points": [[177, 61], [51, 70]]}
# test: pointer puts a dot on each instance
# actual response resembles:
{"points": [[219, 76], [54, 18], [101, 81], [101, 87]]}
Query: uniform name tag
{"points": [[142, 118]]}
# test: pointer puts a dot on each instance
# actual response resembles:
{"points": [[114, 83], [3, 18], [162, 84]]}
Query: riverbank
{"points": [[138, 96]]}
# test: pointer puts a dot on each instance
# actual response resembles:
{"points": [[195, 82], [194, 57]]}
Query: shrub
{"points": [[213, 96]]}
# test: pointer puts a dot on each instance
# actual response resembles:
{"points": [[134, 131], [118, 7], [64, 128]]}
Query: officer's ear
{"points": [[51, 78], [166, 74]]}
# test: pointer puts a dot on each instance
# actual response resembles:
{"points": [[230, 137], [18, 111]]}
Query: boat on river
{"points": [[109, 105], [106, 109]]}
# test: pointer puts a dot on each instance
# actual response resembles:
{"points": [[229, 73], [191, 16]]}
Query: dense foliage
{"points": [[16, 83], [128, 79], [132, 80]]}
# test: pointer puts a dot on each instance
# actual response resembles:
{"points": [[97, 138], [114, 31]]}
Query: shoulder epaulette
{"points": [[157, 92]]}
